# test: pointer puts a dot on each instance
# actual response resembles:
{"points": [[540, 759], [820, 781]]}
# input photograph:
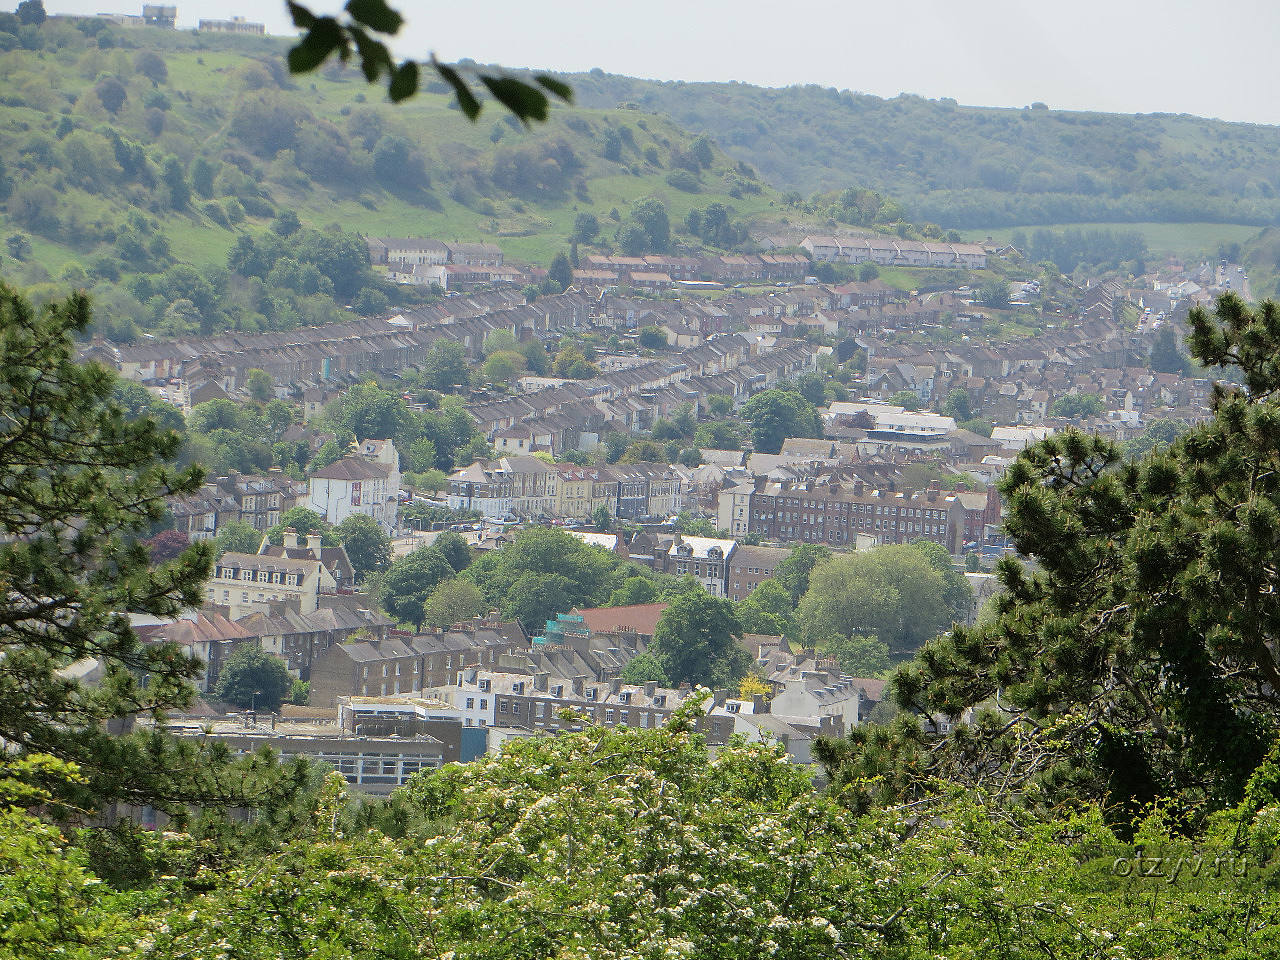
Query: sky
{"points": [[1127, 56]]}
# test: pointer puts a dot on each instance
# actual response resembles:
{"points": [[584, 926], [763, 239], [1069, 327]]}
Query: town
{"points": [[643, 454]]}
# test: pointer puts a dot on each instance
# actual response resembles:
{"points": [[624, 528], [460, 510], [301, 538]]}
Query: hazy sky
{"points": [[1132, 56]]}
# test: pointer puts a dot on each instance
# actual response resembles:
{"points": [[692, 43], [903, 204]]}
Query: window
{"points": [[541, 709], [502, 706], [515, 708], [608, 716], [484, 703], [471, 703]]}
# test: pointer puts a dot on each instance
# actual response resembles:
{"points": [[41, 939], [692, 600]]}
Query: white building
{"points": [[247, 582], [366, 481], [705, 558]]}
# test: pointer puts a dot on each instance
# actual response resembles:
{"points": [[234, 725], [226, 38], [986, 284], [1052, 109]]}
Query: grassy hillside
{"points": [[966, 167], [222, 116]]}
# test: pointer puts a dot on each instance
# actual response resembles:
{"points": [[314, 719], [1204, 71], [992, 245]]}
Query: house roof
{"points": [[639, 617], [352, 468]]}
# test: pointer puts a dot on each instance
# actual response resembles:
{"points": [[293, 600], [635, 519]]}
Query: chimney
{"points": [[578, 684], [290, 538], [615, 686], [761, 703], [650, 688], [313, 544], [541, 681], [719, 697]]}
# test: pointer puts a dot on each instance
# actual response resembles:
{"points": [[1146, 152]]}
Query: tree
{"points": [[251, 677], [1078, 406], [367, 544], [858, 656], [696, 641], [994, 294], [561, 271], [956, 406], [454, 549], [286, 223], [644, 668], [775, 415], [797, 566], [174, 178], [1136, 661], [236, 536], [260, 385], [653, 338], [111, 94], [957, 593], [453, 601], [585, 227], [634, 590], [1159, 433], [80, 483], [643, 451], [407, 584], [768, 610], [1166, 357], [31, 13], [151, 65], [907, 399], [167, 545], [601, 519], [445, 365], [892, 593], [304, 522], [650, 214]]}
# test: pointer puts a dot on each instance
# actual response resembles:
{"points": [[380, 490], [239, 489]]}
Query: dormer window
{"points": [[625, 696], [591, 694], [484, 685], [660, 700], [518, 687]]}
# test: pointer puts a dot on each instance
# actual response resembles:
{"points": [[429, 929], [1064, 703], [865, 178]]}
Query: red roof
{"points": [[640, 617]]}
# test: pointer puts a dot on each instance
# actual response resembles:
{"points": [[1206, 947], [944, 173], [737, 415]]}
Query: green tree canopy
{"points": [[893, 593], [405, 587], [252, 677], [453, 601], [768, 610], [367, 544], [79, 485], [644, 668], [304, 522], [775, 415], [236, 536], [1135, 661], [1078, 406], [1166, 356], [794, 570], [696, 641]]}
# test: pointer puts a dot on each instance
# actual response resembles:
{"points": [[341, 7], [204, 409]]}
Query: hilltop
{"points": [[99, 127], [976, 167]]}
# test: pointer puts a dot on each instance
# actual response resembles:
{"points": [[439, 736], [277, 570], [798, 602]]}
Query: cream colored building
{"points": [[248, 582]]}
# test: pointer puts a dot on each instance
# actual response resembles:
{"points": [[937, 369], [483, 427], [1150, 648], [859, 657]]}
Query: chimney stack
{"points": [[313, 544], [290, 538]]}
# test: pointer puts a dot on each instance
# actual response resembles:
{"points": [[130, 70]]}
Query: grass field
{"points": [[1181, 239]]}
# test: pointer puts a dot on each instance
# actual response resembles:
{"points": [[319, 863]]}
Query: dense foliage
{"points": [[1134, 663], [973, 166]]}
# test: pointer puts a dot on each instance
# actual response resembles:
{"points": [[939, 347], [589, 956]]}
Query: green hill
{"points": [[977, 167], [104, 133]]}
